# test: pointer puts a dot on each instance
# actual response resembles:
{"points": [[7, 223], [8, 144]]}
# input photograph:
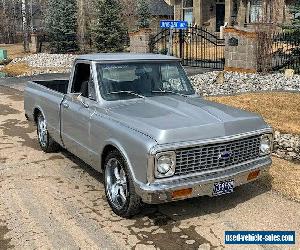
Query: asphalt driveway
{"points": [[55, 201]]}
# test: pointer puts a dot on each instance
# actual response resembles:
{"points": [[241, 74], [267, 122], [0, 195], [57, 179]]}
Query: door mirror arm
{"points": [[82, 102], [79, 98]]}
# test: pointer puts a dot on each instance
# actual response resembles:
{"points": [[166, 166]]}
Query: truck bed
{"points": [[47, 96], [56, 85]]}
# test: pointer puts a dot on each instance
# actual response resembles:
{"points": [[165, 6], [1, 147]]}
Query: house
{"points": [[244, 13], [160, 10]]}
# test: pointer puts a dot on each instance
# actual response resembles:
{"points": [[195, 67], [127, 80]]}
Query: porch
{"points": [[212, 14]]}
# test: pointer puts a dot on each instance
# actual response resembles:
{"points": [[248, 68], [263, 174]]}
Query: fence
{"points": [[286, 51], [195, 46]]}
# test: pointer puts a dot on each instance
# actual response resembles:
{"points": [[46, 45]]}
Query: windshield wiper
{"points": [[126, 92], [168, 92]]}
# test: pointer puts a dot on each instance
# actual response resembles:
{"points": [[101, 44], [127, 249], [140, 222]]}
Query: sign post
{"points": [[171, 25], [170, 49]]}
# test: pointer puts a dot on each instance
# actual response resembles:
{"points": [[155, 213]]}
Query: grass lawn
{"points": [[285, 178], [14, 50], [17, 69], [282, 111], [22, 68]]}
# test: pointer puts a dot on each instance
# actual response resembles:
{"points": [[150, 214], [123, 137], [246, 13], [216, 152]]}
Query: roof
{"points": [[125, 57], [160, 8]]}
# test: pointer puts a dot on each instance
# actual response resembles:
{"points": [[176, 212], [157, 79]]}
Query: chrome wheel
{"points": [[116, 183], [42, 131]]}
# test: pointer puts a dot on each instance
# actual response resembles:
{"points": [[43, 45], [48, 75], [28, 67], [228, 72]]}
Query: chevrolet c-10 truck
{"points": [[137, 119]]}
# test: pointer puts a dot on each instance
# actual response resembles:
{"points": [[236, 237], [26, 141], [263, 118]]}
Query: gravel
{"points": [[207, 84], [44, 60], [211, 84], [287, 146]]}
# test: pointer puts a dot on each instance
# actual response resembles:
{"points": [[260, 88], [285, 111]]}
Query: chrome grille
{"points": [[214, 156]]}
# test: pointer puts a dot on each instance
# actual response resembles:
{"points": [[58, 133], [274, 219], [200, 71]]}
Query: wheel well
{"points": [[107, 149], [36, 112]]}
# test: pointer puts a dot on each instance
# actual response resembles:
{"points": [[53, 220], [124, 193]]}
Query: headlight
{"points": [[165, 164], [266, 144]]}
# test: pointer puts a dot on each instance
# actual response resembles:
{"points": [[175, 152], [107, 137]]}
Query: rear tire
{"points": [[119, 187], [46, 142]]}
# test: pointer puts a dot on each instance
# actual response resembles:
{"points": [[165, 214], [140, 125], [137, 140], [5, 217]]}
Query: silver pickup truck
{"points": [[137, 119]]}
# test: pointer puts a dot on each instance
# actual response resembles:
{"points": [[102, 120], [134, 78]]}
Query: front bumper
{"points": [[201, 184]]}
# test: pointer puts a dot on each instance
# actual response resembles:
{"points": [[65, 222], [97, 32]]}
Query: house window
{"points": [[187, 3], [187, 10], [261, 11], [220, 14], [256, 11], [234, 14]]}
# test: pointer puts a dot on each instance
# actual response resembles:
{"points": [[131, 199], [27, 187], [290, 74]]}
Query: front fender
{"points": [[133, 145], [137, 168]]}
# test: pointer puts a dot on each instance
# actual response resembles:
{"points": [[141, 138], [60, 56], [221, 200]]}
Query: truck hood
{"points": [[170, 119]]}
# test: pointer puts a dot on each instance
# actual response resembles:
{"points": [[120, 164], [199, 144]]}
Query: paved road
{"points": [[55, 201]]}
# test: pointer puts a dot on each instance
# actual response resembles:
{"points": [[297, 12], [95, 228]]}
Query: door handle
{"points": [[66, 105]]}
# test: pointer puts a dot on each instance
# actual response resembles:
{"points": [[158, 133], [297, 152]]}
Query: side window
{"points": [[83, 82]]}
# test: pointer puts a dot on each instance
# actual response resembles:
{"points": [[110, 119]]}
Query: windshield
{"points": [[138, 80]]}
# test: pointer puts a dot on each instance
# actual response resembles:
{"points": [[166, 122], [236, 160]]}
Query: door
{"points": [[76, 112], [220, 16]]}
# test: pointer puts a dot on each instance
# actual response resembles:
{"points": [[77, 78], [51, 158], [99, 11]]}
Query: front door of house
{"points": [[220, 16]]}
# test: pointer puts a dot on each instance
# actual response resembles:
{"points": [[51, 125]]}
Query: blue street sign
{"points": [[170, 24]]}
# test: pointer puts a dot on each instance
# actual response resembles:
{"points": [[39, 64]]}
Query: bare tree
{"points": [[5, 14], [129, 13], [14, 20], [25, 27], [265, 30], [85, 13], [18, 16]]}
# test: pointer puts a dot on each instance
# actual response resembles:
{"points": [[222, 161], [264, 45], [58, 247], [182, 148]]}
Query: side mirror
{"points": [[78, 97], [75, 96]]}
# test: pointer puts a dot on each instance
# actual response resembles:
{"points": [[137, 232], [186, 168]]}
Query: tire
{"points": [[119, 187], [46, 142]]}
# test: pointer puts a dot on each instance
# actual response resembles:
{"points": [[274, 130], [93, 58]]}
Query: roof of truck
{"points": [[125, 57]]}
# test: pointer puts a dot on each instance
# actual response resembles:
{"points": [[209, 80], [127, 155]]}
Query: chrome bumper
{"points": [[201, 184]]}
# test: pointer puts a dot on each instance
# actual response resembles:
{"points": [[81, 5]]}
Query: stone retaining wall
{"points": [[240, 50], [139, 41]]}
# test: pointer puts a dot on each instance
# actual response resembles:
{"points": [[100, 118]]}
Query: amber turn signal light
{"points": [[253, 175], [182, 193]]}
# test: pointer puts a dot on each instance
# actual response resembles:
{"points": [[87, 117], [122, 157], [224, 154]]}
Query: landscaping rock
{"points": [[44, 63], [207, 84], [287, 146], [44, 60]]}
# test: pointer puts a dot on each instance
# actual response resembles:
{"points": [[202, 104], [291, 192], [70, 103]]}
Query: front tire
{"points": [[46, 142], [119, 187]]}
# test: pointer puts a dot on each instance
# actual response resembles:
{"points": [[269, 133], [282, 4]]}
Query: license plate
{"points": [[223, 187]]}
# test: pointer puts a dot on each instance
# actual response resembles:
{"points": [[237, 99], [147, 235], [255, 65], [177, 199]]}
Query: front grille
{"points": [[216, 156]]}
